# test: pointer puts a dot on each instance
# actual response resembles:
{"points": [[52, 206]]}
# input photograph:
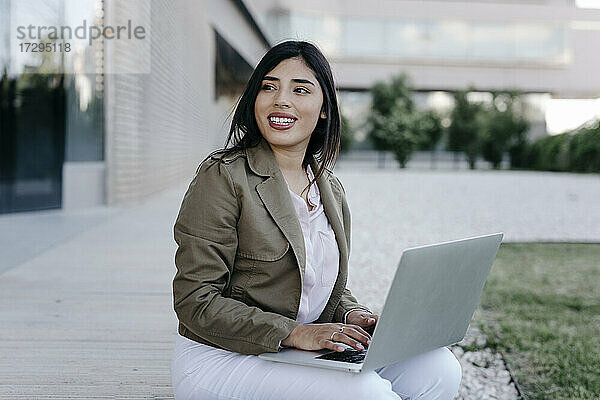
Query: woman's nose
{"points": [[281, 100]]}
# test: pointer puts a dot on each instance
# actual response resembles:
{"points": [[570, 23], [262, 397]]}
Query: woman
{"points": [[262, 263]]}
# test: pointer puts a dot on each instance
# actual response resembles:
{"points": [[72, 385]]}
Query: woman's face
{"points": [[288, 105]]}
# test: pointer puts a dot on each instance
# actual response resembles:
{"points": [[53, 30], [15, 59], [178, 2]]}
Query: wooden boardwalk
{"points": [[92, 317]]}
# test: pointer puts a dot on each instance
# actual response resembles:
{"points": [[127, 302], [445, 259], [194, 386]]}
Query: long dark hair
{"points": [[324, 142]]}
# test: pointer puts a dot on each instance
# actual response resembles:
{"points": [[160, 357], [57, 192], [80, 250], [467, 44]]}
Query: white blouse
{"points": [[322, 254]]}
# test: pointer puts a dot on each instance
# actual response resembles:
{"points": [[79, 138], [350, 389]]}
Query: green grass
{"points": [[541, 308]]}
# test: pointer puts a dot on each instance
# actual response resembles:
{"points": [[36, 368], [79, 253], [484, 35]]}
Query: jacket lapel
{"points": [[274, 194], [279, 204]]}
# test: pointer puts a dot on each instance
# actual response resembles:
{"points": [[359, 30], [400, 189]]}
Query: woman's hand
{"points": [[319, 336], [363, 319]]}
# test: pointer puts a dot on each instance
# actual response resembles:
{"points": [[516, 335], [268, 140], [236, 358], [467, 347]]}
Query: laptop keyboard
{"points": [[349, 355]]}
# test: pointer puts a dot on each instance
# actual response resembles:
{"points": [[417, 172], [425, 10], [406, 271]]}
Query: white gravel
{"points": [[395, 209], [485, 375]]}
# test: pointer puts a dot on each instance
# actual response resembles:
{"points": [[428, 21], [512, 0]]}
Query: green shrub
{"points": [[584, 150], [576, 151], [550, 153]]}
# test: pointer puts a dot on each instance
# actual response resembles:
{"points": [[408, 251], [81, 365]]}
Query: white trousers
{"points": [[202, 372]]}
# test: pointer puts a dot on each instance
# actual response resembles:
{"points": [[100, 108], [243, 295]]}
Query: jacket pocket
{"points": [[265, 250], [259, 236]]}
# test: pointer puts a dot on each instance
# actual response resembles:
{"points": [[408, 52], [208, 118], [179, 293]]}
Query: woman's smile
{"points": [[281, 121], [281, 124]]}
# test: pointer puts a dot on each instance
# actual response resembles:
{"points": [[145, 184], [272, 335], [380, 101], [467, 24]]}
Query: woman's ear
{"points": [[323, 115]]}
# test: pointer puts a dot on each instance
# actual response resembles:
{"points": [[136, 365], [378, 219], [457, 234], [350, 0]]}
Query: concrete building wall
{"points": [[156, 123], [160, 125]]}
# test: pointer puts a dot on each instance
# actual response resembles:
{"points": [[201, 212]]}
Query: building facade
{"points": [[538, 46]]}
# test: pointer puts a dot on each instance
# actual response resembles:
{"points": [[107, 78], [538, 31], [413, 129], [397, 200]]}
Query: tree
{"points": [[518, 151], [465, 127], [397, 93], [504, 127], [401, 133], [347, 135], [396, 124], [430, 130]]}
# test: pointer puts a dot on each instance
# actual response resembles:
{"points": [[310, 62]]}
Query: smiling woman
{"points": [[289, 87], [262, 263]]}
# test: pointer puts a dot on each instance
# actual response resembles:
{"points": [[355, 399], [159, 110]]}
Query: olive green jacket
{"points": [[241, 257]]}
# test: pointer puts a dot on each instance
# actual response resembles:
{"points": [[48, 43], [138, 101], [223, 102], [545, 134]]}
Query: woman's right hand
{"points": [[318, 336]]}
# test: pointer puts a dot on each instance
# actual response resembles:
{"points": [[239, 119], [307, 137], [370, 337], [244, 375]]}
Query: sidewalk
{"points": [[92, 316], [89, 314], [27, 234]]}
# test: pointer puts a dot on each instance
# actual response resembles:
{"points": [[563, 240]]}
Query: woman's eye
{"points": [[271, 87]]}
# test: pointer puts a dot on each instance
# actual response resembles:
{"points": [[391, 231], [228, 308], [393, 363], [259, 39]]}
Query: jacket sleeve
{"points": [[347, 302], [206, 233]]}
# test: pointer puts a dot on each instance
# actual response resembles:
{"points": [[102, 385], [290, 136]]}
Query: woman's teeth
{"points": [[281, 121]]}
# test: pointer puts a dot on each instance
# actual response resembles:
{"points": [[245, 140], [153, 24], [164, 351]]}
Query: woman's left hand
{"points": [[363, 319]]}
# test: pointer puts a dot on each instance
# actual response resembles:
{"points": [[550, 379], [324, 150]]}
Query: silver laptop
{"points": [[430, 304]]}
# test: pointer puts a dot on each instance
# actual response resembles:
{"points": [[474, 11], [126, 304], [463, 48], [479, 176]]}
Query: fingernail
{"points": [[340, 348], [371, 320], [360, 346], [368, 342]]}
